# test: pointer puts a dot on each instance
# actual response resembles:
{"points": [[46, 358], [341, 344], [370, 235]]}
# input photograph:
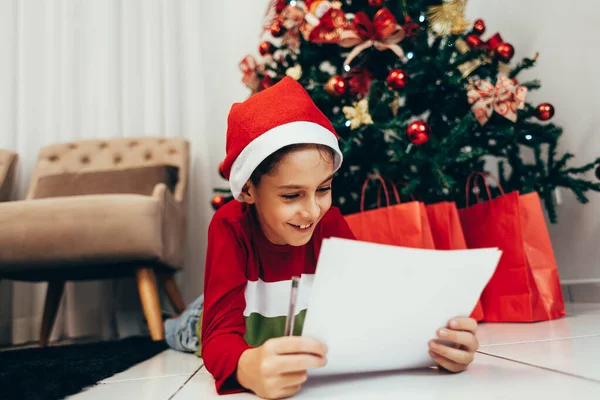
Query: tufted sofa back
{"points": [[8, 161], [111, 154]]}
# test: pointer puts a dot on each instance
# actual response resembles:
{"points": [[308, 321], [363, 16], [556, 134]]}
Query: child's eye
{"points": [[290, 196], [324, 189]]}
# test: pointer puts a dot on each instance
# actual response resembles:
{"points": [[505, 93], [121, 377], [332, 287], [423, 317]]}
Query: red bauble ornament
{"points": [[410, 28], [493, 42], [218, 202], [479, 27], [504, 52], [277, 30], [336, 86], [515, 81], [376, 3], [280, 6], [474, 41], [221, 173], [359, 81], [397, 79], [266, 82], [544, 111], [418, 132], [266, 48]]}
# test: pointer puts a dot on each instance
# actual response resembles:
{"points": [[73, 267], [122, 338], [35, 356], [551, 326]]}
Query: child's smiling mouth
{"points": [[302, 228]]}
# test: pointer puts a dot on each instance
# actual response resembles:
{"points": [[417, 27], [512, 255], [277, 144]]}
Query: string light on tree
{"points": [[544, 111]]}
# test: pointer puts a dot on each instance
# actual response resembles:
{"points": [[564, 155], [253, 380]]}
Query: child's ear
{"points": [[249, 193]]}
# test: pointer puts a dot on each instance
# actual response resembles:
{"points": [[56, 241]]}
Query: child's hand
{"points": [[461, 332], [277, 369]]}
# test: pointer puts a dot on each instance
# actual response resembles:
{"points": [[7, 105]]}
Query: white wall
{"points": [[565, 34], [235, 28]]}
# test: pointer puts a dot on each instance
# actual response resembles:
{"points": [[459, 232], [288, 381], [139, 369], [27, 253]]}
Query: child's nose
{"points": [[311, 210]]}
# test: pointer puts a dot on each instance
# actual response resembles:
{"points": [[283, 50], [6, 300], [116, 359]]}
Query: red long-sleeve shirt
{"points": [[247, 284]]}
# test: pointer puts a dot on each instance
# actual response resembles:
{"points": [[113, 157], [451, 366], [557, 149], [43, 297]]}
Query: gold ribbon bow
{"points": [[505, 99]]}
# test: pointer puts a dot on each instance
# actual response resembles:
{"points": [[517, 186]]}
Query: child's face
{"points": [[293, 198]]}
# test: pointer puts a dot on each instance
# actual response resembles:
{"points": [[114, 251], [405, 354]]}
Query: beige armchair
{"points": [[8, 162], [101, 209]]}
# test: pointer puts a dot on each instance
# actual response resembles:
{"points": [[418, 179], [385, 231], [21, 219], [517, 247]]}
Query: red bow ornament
{"points": [[249, 69], [329, 29], [505, 99], [383, 33]]}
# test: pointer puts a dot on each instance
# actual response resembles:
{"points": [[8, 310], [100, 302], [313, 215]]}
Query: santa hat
{"points": [[281, 115]]}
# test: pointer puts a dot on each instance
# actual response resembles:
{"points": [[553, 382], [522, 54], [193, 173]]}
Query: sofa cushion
{"points": [[136, 180], [84, 231]]}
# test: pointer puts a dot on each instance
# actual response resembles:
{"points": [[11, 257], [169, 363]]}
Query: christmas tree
{"points": [[418, 96]]}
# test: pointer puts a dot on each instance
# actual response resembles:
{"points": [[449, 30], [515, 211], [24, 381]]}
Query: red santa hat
{"points": [[281, 115]]}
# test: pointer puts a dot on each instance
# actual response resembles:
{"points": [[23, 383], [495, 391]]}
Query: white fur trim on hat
{"points": [[255, 152]]}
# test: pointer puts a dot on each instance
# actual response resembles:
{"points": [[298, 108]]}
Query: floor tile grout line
{"points": [[543, 368], [145, 378], [185, 383], [538, 341]]}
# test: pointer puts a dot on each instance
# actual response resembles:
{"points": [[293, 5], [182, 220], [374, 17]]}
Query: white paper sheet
{"points": [[376, 307]]}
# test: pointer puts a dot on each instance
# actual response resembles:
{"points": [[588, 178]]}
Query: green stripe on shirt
{"points": [[259, 329]]}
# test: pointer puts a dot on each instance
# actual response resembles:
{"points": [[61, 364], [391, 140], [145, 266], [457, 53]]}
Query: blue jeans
{"points": [[180, 332]]}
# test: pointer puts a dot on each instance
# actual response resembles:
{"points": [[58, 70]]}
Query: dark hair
{"points": [[268, 164]]}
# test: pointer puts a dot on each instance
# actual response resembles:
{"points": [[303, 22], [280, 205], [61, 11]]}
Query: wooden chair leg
{"points": [[146, 281], [53, 296], [173, 292]]}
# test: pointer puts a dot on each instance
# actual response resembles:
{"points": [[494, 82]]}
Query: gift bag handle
{"points": [[387, 195], [484, 176], [396, 192]]}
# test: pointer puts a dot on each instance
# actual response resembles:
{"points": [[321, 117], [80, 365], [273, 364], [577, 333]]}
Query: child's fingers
{"points": [[298, 362], [467, 339], [293, 378], [453, 354], [295, 345], [463, 324], [446, 363]]}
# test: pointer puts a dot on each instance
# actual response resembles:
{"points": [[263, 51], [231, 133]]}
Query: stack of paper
{"points": [[376, 307]]}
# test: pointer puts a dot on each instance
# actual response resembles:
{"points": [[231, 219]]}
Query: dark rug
{"points": [[59, 371]]}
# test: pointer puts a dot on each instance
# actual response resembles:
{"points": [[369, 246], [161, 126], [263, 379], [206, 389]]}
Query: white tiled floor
{"points": [[488, 378], [555, 359], [578, 356], [582, 320]]}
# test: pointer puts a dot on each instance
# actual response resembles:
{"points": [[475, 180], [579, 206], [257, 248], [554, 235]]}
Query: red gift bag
{"points": [[526, 285], [447, 234], [403, 224]]}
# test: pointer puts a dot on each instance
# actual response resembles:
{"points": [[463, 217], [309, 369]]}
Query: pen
{"points": [[289, 320]]}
